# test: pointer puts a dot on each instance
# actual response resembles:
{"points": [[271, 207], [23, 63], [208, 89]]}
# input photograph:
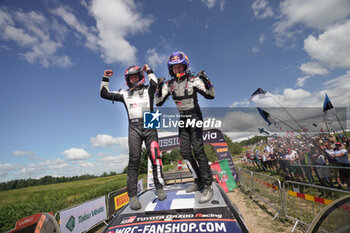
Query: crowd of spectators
{"points": [[322, 158]]}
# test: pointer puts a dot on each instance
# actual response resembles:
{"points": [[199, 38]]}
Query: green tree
{"points": [[209, 151], [112, 173], [234, 147]]}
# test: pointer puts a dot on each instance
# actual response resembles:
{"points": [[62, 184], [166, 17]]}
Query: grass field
{"points": [[20, 203]]}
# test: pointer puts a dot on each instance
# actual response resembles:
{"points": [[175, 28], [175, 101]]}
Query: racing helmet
{"points": [[134, 70], [177, 58]]}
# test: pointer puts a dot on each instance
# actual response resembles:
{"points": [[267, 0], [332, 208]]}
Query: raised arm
{"points": [[153, 82], [162, 92], [203, 85], [104, 88]]}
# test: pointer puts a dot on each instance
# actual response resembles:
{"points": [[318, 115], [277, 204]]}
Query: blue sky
{"points": [[53, 53]]}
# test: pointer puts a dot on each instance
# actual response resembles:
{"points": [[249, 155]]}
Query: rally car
{"points": [[179, 212]]}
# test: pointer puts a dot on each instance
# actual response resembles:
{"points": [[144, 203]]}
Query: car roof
{"points": [[179, 206]]}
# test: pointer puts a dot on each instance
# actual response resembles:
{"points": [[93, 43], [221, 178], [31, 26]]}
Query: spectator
{"points": [[329, 152], [341, 156]]}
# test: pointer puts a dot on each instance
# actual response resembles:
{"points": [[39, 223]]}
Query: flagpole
{"points": [[287, 112], [340, 124], [329, 132], [291, 127]]}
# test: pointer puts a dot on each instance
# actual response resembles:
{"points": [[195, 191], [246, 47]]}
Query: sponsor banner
{"points": [[113, 200], [140, 186], [198, 214], [179, 165], [220, 176], [121, 200], [150, 182], [83, 217], [175, 226], [27, 224], [230, 181], [225, 149], [168, 143], [212, 136]]}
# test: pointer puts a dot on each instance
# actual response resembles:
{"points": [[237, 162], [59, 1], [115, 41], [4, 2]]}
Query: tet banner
{"points": [[84, 216]]}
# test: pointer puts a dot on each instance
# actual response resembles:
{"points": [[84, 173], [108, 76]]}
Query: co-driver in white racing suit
{"points": [[137, 99]]}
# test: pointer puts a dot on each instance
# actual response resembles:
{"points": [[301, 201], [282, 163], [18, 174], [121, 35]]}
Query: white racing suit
{"points": [[136, 102], [184, 93]]}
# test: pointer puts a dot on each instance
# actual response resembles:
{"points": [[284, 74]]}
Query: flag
{"points": [[265, 116], [258, 94], [224, 175], [328, 111], [269, 118], [268, 149], [314, 124]]}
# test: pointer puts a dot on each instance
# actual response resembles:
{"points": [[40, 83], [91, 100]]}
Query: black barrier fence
{"points": [[325, 175], [296, 201]]}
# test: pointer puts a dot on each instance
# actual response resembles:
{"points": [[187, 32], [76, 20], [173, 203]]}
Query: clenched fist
{"points": [[108, 73]]}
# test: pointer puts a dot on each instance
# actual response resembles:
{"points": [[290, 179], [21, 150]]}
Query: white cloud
{"points": [[22, 153], [115, 20], [179, 19], [114, 163], [255, 49], [222, 5], [332, 47], [76, 154], [310, 102], [305, 13], [39, 38], [5, 168], [155, 59], [29, 170], [238, 121], [86, 164], [209, 3], [55, 164], [310, 69], [69, 18], [239, 103], [237, 137], [301, 81], [4, 47], [314, 13], [262, 10], [337, 89], [31, 155], [105, 140], [313, 68], [261, 38]]}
